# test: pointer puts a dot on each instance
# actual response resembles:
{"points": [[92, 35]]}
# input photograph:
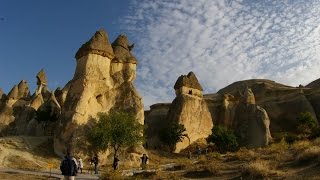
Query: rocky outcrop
{"points": [[12, 106], [190, 109], [155, 121], [103, 81], [251, 122], [282, 103], [18, 109]]}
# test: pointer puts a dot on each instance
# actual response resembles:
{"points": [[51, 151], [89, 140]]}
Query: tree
{"points": [[116, 130], [172, 134], [224, 138], [307, 124]]}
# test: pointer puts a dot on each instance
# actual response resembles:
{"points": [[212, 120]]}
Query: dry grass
{"points": [[301, 145], [18, 176], [111, 175], [311, 154], [261, 169]]}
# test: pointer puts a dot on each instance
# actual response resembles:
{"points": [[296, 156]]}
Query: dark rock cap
{"points": [[41, 78], [189, 80], [98, 44], [121, 49]]}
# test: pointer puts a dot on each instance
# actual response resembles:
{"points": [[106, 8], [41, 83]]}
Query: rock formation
{"points": [[251, 122], [282, 103], [18, 109], [103, 81], [190, 109], [156, 120]]}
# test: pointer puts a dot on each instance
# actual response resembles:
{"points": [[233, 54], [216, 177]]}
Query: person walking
{"points": [[96, 161], [115, 163], [80, 165], [144, 160], [68, 167]]}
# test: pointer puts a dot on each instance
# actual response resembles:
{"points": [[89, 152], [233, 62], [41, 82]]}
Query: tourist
{"points": [[189, 154], [95, 162], [115, 163], [80, 165], [144, 160], [68, 167]]}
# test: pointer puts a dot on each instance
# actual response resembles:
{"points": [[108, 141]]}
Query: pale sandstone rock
{"points": [[23, 90], [282, 103], [190, 110], [252, 125], [99, 85]]}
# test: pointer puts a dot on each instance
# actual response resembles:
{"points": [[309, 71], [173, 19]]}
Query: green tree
{"points": [[307, 124], [172, 134], [224, 138], [116, 130]]}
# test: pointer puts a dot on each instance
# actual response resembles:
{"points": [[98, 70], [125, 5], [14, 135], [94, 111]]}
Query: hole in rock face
{"points": [[99, 98], [190, 92]]}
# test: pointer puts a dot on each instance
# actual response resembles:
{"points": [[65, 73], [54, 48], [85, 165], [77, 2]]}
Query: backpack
{"points": [[68, 167]]}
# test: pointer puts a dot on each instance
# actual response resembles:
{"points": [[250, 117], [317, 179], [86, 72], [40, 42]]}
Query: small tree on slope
{"points": [[116, 130]]}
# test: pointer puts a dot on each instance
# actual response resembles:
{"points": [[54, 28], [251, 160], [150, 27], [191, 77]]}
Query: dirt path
{"points": [[54, 173]]}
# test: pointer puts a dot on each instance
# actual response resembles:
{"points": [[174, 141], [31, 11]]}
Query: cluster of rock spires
{"points": [[103, 81]]}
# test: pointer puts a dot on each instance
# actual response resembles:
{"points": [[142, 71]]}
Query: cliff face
{"points": [[103, 81], [155, 121]]}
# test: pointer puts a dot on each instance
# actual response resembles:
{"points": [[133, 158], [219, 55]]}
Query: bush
{"points": [[306, 123], [224, 139], [172, 134]]}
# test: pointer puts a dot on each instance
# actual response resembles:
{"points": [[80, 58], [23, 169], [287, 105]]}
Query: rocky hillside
{"points": [[274, 103]]}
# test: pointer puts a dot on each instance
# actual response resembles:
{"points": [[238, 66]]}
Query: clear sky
{"points": [[221, 41]]}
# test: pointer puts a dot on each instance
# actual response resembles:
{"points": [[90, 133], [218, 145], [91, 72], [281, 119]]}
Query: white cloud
{"points": [[222, 42]]}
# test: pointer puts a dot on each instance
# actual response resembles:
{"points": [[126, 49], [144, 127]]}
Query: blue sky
{"points": [[221, 41]]}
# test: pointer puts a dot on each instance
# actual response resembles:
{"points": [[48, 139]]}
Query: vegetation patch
{"points": [[260, 169], [199, 174], [223, 138], [309, 155]]}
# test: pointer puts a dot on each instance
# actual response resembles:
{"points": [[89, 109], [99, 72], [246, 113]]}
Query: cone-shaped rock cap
{"points": [[14, 93], [121, 49], [41, 78], [98, 44], [189, 80], [23, 89]]}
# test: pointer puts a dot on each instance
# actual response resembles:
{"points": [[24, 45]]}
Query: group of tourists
{"points": [[70, 166]]}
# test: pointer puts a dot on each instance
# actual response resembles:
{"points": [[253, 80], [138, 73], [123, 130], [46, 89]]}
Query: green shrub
{"points": [[307, 124], [172, 134], [224, 139]]}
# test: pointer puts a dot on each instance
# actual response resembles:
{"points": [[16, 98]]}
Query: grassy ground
{"points": [[17, 176], [300, 160]]}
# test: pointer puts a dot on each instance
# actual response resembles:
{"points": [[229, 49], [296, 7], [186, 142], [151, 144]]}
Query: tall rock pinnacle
{"points": [[98, 44]]}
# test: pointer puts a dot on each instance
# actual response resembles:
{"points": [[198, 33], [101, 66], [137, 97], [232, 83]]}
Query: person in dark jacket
{"points": [[96, 162], [68, 167], [115, 163]]}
